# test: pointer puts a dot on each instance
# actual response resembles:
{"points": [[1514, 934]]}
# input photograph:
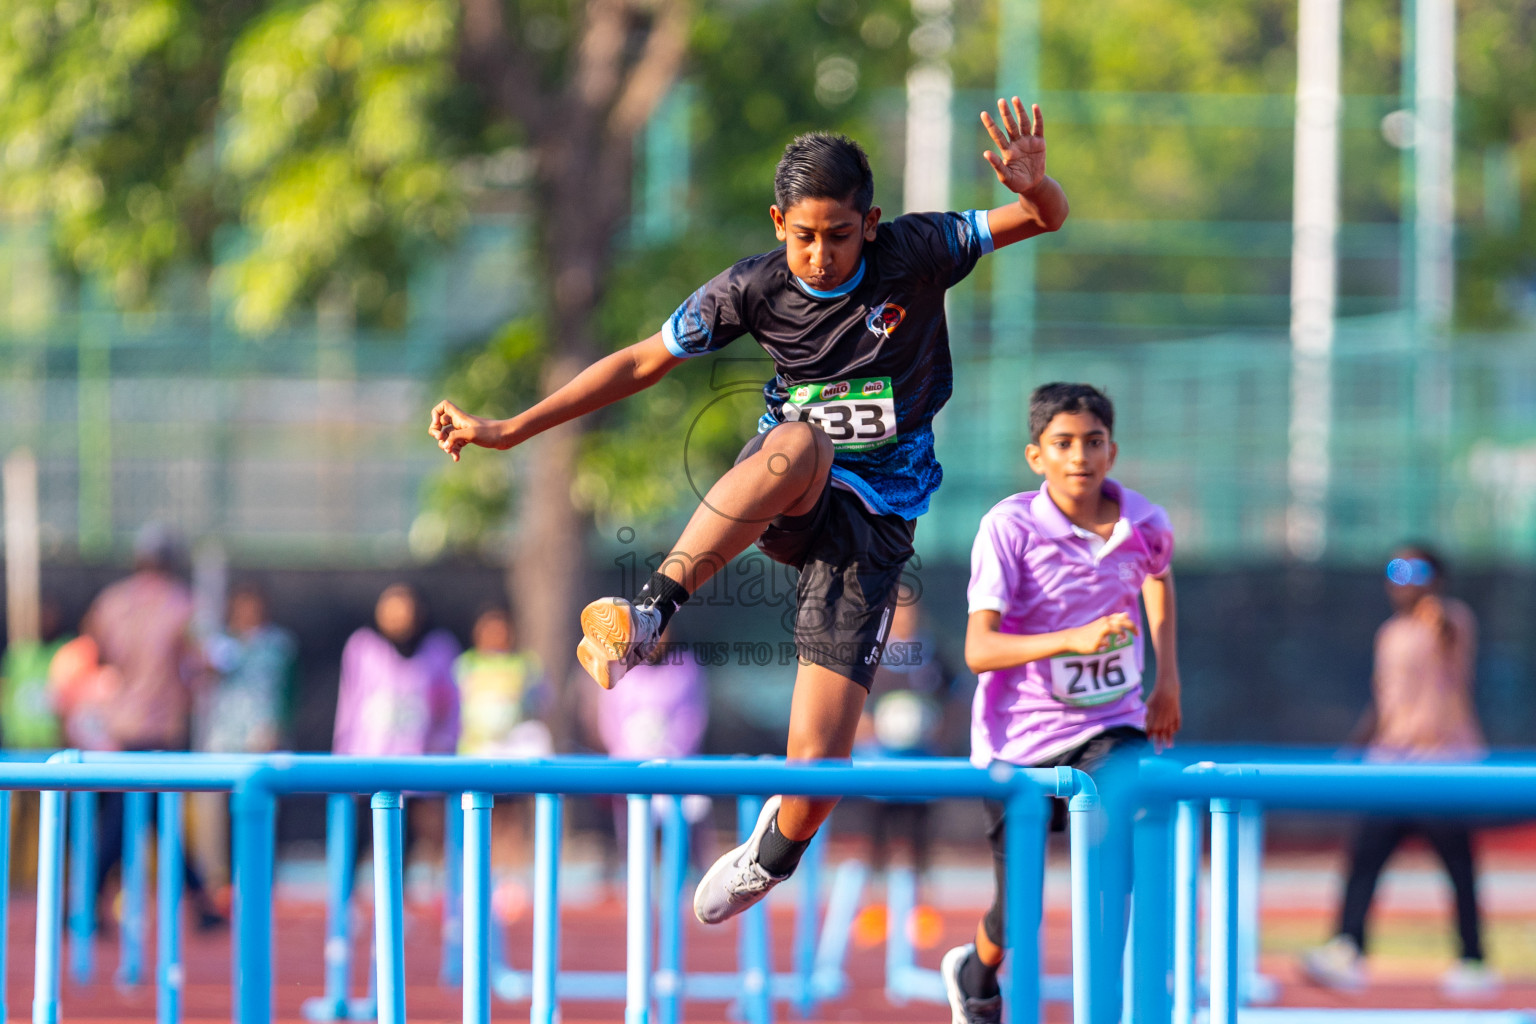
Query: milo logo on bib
{"points": [[856, 414]]}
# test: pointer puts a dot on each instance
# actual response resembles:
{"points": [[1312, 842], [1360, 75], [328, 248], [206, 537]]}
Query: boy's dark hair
{"points": [[820, 165], [1050, 400]]}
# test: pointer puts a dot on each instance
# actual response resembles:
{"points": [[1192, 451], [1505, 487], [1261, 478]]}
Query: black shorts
{"points": [[850, 563]]}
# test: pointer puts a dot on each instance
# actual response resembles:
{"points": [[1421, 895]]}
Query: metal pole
{"points": [[1314, 272], [544, 1008], [637, 985], [82, 885], [50, 908], [1434, 148], [1186, 922], [169, 972], [476, 919], [255, 814], [133, 931], [450, 972], [1224, 876], [389, 905]]}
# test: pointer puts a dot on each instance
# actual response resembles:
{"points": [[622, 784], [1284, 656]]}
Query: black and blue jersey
{"points": [[868, 361]]}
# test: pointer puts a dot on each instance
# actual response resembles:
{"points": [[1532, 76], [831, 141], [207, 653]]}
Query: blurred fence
{"points": [[1439, 444], [311, 442]]}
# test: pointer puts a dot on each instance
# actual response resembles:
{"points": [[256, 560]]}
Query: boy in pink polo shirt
{"points": [[1054, 635]]}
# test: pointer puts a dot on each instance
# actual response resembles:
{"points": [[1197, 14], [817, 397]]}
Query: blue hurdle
{"points": [[256, 785], [1228, 789]]}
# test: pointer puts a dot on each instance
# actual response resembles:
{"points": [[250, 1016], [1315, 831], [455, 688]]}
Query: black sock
{"points": [[778, 855], [664, 594], [977, 979]]}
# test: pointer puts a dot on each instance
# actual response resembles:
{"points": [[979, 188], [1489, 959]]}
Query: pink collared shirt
{"points": [[1043, 574]]}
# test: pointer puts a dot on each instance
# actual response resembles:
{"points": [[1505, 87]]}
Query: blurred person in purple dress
{"points": [[661, 711], [398, 698]]}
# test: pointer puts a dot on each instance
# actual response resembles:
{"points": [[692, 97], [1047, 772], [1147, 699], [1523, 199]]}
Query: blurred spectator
{"points": [[141, 628], [30, 722], [397, 697], [659, 710], [240, 712], [910, 713], [1421, 711], [501, 691]]}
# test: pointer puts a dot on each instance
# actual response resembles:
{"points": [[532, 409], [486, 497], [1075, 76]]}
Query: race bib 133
{"points": [[855, 414]]}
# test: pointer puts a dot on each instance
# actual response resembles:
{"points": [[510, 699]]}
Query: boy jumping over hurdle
{"points": [[852, 312], [1054, 634]]}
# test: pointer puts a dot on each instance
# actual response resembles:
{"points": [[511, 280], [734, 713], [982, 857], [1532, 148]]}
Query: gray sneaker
{"points": [[967, 1009], [736, 881], [616, 636]]}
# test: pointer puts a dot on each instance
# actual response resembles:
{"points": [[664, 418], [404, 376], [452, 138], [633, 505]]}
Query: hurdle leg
{"points": [[1149, 919], [674, 868], [255, 814], [549, 813], [389, 905], [637, 986], [340, 866], [454, 811], [82, 886], [828, 978], [805, 923], [1224, 878], [476, 943], [50, 908], [132, 932], [756, 999], [168, 967], [1024, 824], [1083, 812], [900, 899], [1253, 986], [5, 894], [1186, 922]]}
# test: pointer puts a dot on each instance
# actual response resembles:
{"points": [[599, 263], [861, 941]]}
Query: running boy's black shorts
{"points": [[850, 563]]}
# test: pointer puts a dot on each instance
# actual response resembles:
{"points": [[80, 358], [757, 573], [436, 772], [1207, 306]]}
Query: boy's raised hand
{"points": [[1019, 162], [453, 428]]}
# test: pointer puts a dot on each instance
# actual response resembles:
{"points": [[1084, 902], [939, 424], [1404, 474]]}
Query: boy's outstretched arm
{"points": [[611, 378], [1164, 714], [1019, 164], [988, 649]]}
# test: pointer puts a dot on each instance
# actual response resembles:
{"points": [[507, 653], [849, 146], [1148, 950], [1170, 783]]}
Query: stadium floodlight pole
{"points": [[1314, 273]]}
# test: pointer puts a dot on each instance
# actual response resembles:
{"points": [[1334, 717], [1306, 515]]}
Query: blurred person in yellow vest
{"points": [[29, 722]]}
